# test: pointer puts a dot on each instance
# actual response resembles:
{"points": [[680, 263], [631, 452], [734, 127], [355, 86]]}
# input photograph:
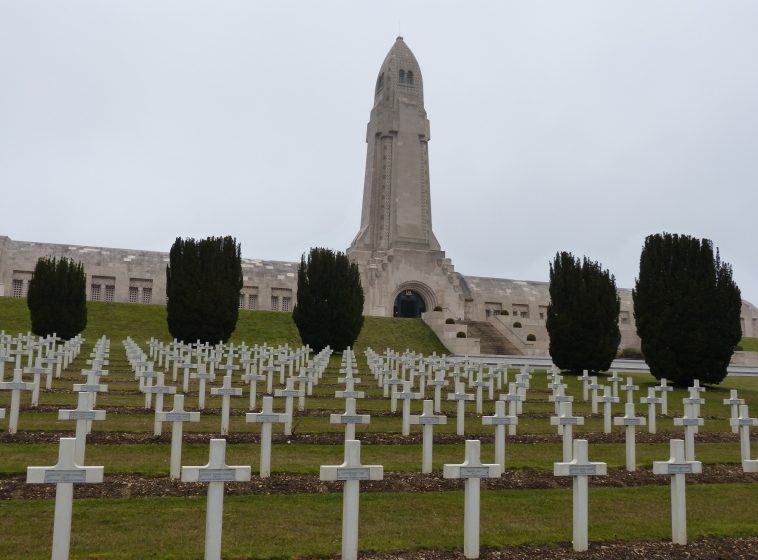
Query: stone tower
{"points": [[403, 270]]}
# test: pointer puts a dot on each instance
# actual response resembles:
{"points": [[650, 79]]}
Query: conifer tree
{"points": [[57, 298], [687, 309], [582, 317], [329, 309], [203, 283]]}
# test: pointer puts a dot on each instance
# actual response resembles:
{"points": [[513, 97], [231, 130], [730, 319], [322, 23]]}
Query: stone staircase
{"points": [[491, 341]]}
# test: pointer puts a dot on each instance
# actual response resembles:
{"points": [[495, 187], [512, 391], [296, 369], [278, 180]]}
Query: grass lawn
{"points": [[309, 524]]}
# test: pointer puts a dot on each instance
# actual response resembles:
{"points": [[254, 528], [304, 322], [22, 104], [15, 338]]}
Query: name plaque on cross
{"points": [[62, 476], [583, 470], [222, 392], [474, 472], [431, 420], [568, 421], [632, 421], [357, 419], [354, 473], [217, 475], [260, 418], [177, 417], [82, 415], [690, 421], [674, 468]]}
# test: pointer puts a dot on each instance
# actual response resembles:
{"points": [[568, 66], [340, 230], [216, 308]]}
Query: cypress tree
{"points": [[582, 317], [203, 282], [329, 309], [687, 309], [57, 298]]}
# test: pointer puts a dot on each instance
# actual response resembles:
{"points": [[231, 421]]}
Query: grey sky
{"points": [[579, 126]]}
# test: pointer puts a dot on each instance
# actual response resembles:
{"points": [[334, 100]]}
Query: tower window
{"points": [[409, 78], [379, 83], [402, 76]]}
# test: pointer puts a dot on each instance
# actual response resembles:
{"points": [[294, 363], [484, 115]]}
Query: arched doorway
{"points": [[409, 303]]}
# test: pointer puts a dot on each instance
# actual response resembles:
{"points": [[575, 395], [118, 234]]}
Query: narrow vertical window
{"points": [[132, 294], [409, 77], [402, 76], [274, 303]]}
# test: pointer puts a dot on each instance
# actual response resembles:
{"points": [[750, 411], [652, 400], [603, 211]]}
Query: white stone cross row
{"points": [[677, 467], [351, 471], [289, 393], [83, 414], [178, 416], [460, 396], [580, 468], [350, 418], [514, 399], [64, 475], [743, 423], [203, 377], [568, 421], [690, 422], [630, 421], [664, 389], [15, 387], [215, 473], [267, 417], [630, 388], [226, 391], [472, 470], [428, 420], [733, 402], [651, 400], [500, 420], [159, 390], [407, 395], [607, 399]]}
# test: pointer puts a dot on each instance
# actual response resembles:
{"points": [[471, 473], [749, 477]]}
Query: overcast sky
{"points": [[578, 126]]}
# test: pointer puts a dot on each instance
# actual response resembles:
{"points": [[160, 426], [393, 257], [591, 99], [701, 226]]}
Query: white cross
{"points": [[159, 389], [226, 391], [215, 473], [594, 386], [303, 380], [585, 378], [64, 475], [407, 395], [84, 415], [3, 360], [186, 366], [559, 397], [580, 468], [631, 422], [15, 387], [392, 383], [428, 420], [202, 376], [349, 392], [690, 423], [289, 393], [500, 420], [472, 470], [349, 418], [269, 371], [252, 378], [521, 385], [91, 386], [614, 380], [513, 398], [460, 396], [630, 388], [267, 417], [37, 371], [177, 417], [677, 467], [607, 401], [664, 389], [568, 421], [352, 472], [743, 423], [438, 383], [651, 400], [733, 402]]}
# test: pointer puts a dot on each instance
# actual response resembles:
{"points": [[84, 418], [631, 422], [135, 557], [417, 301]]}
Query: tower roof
{"points": [[400, 73]]}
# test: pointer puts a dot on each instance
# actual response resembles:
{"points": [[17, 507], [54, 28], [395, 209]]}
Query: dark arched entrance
{"points": [[409, 303]]}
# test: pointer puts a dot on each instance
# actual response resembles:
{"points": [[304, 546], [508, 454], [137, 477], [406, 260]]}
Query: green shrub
{"points": [[517, 324], [329, 309], [530, 338], [504, 312], [203, 283], [57, 298], [438, 308], [461, 334], [687, 308], [449, 321]]}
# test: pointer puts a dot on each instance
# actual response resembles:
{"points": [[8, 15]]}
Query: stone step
{"points": [[491, 341]]}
